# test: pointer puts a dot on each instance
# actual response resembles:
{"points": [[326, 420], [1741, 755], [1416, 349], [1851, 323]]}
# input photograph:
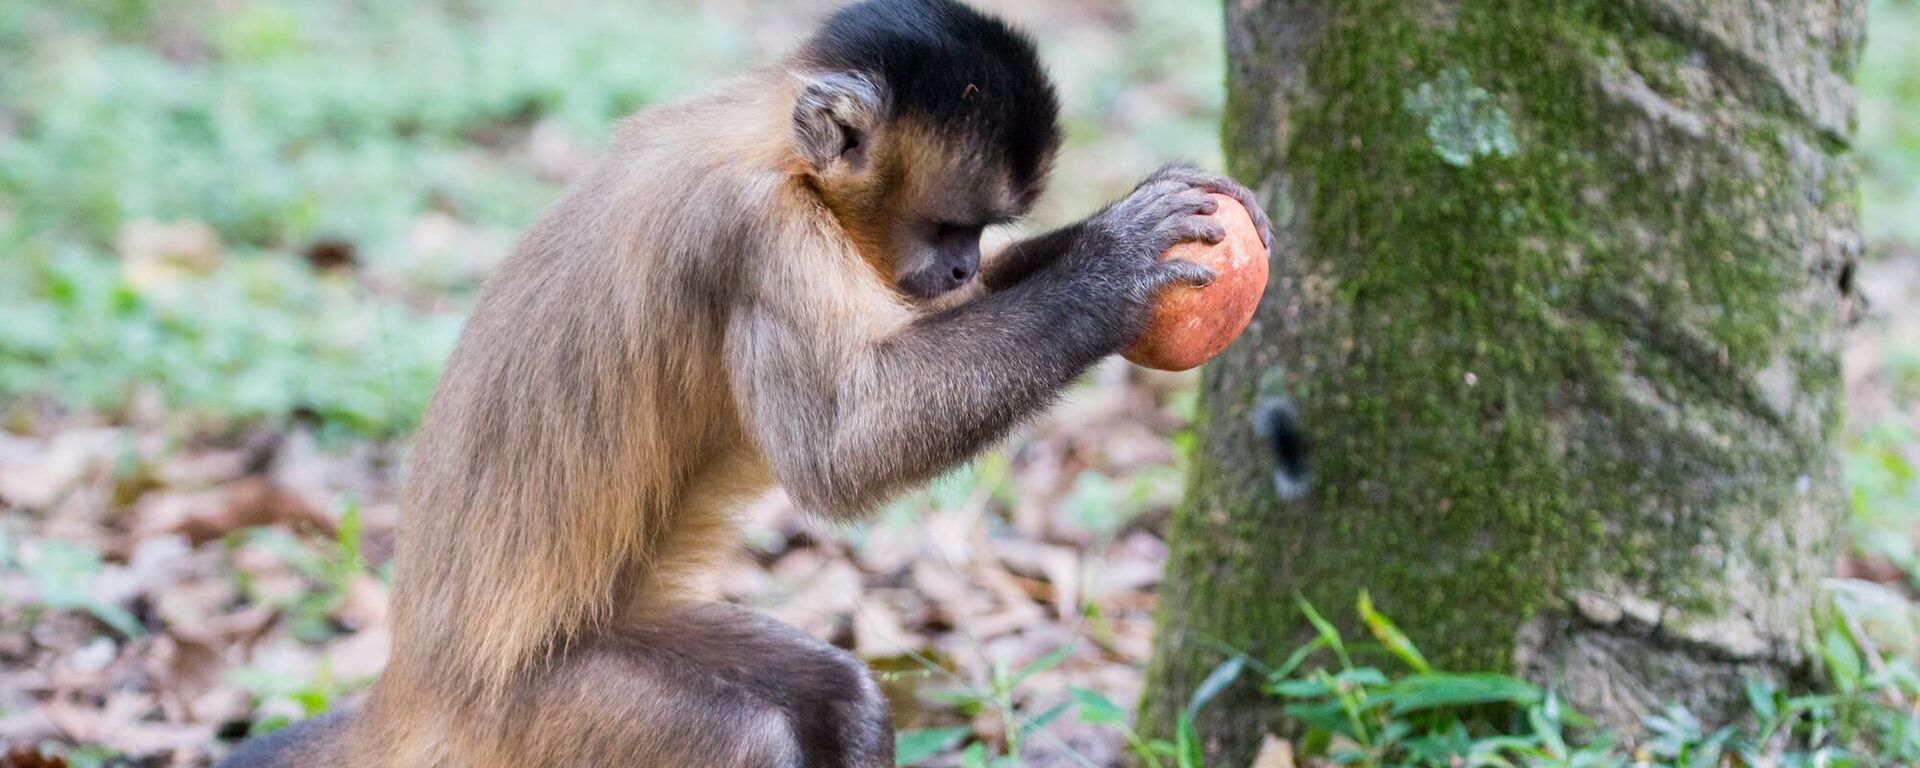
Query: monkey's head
{"points": [[920, 123]]}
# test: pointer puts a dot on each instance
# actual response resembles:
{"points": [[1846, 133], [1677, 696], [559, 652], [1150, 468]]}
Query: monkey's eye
{"points": [[951, 231]]}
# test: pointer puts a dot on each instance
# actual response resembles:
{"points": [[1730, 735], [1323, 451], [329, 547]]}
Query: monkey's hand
{"points": [[1117, 255], [1043, 253], [1220, 185]]}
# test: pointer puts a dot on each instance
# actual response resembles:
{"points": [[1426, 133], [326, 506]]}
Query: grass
{"points": [[1341, 710], [284, 130], [1889, 140]]}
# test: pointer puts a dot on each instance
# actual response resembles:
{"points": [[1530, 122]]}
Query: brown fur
{"points": [[583, 455]]}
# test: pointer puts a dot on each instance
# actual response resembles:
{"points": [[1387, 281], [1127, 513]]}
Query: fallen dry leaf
{"points": [[825, 597], [121, 724], [156, 255], [1060, 566], [360, 656], [208, 515], [879, 631], [363, 603], [182, 670], [28, 757], [35, 473], [1275, 752]]}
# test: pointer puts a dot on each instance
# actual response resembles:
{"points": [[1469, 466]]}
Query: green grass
{"points": [[284, 126], [1889, 140], [1410, 714], [1377, 702]]}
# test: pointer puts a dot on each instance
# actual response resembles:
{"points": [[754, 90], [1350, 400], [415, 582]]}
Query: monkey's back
{"points": [[574, 430]]}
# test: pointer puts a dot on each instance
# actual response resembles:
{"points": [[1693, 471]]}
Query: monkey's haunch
{"points": [[1191, 325]]}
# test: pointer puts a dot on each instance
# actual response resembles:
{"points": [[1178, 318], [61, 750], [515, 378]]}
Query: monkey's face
{"points": [[943, 197], [912, 197], [943, 256], [936, 242]]}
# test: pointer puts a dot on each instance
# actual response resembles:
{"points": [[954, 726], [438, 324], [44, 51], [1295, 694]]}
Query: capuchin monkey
{"points": [[778, 282]]}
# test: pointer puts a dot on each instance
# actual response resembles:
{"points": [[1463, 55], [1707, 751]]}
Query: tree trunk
{"points": [[1557, 293]]}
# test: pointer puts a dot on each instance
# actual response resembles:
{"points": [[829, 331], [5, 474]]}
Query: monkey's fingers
{"points": [[1197, 227], [1216, 183], [1187, 200], [1180, 171], [1161, 190], [1259, 214], [1240, 193], [1182, 272]]}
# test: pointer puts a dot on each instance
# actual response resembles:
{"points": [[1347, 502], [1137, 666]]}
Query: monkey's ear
{"points": [[834, 118]]}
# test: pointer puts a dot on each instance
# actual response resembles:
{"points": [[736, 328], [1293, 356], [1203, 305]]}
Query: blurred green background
{"points": [[223, 216]]}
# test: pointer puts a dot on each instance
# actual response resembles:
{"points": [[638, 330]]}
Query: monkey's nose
{"points": [[962, 273]]}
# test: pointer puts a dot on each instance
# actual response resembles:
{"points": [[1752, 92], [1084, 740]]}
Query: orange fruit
{"points": [[1191, 325]]}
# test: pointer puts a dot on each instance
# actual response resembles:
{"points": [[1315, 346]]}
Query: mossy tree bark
{"points": [[1557, 292]]}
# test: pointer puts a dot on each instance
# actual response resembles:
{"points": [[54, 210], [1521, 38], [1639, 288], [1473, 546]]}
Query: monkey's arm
{"points": [[844, 437], [846, 421], [1024, 258]]}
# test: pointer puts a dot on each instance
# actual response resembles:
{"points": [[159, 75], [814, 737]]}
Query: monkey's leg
{"points": [[707, 685], [313, 743]]}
